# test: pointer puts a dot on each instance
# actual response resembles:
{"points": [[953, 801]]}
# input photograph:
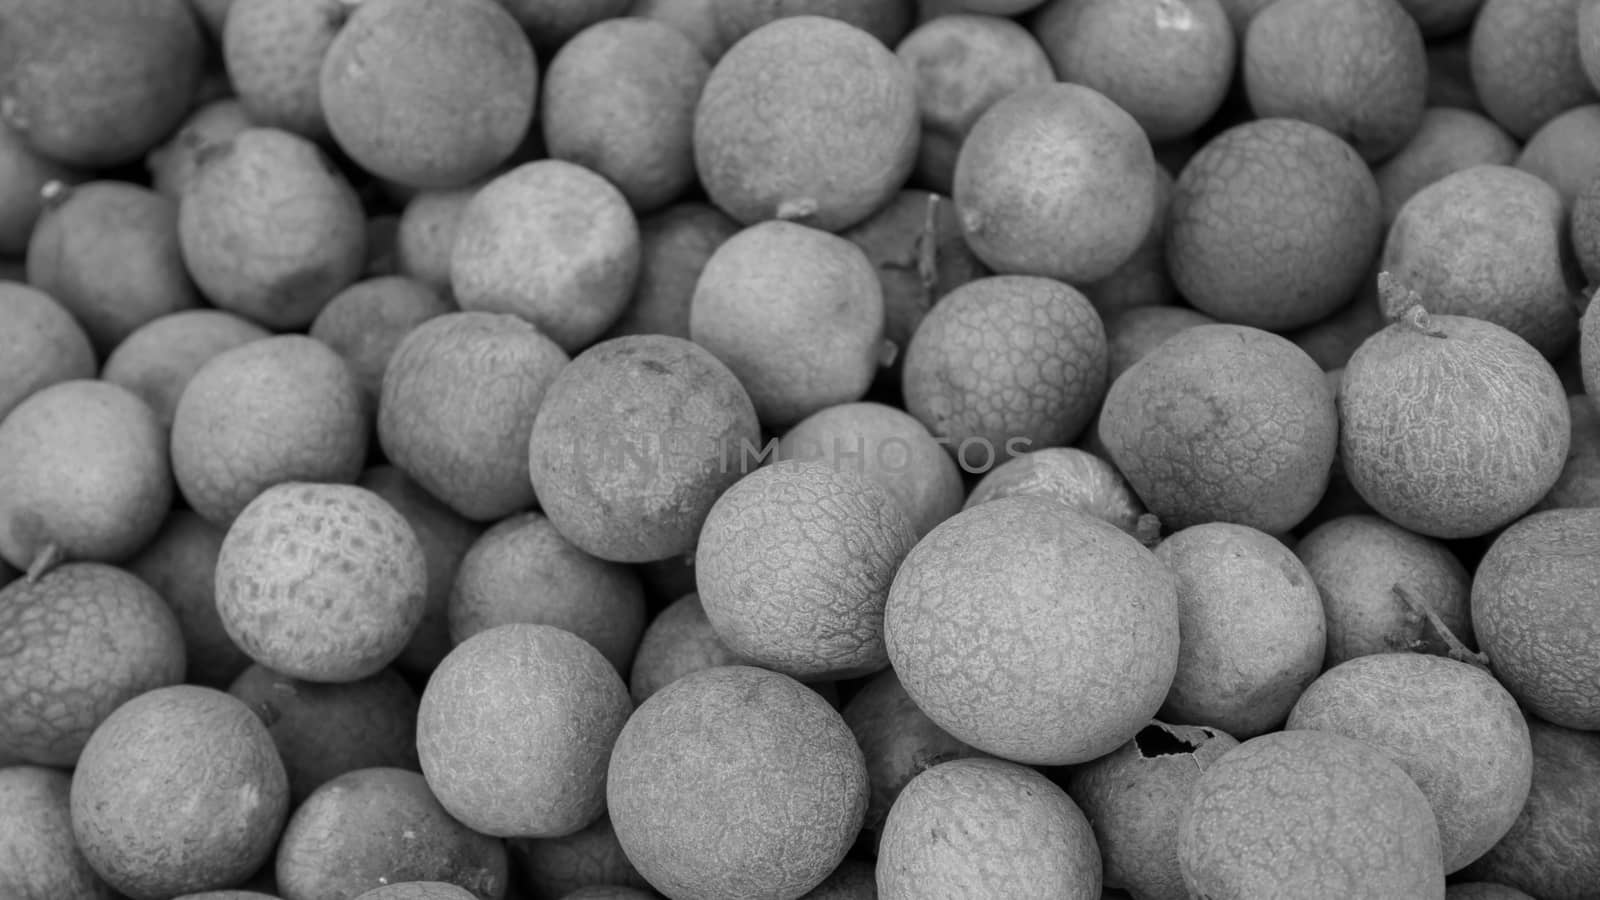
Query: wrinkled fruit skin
{"points": [[1532, 611], [1450, 725], [986, 828], [1330, 817], [635, 440], [179, 790], [1482, 392], [1079, 602], [794, 564], [781, 783], [322, 582], [1204, 435]]}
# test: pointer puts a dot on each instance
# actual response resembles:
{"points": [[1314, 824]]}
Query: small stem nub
{"points": [[928, 248], [48, 557], [1403, 304], [1458, 651]]}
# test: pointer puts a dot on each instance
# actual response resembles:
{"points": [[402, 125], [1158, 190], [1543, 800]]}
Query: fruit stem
{"points": [[1147, 530], [48, 557], [1458, 650], [54, 193], [928, 248], [790, 210], [1403, 304], [888, 352]]}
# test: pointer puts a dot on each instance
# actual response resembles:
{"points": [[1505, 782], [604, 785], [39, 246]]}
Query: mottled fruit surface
{"points": [[179, 790], [1204, 434], [986, 828], [322, 582], [528, 762], [1080, 603], [76, 644], [736, 783], [1325, 816]]}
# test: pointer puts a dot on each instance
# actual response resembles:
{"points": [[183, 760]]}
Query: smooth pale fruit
{"points": [[1055, 180], [179, 790], [555, 867], [1490, 242], [889, 445], [696, 19], [284, 408], [736, 783], [898, 742], [1134, 332], [635, 439], [1447, 141], [808, 119], [1545, 853], [1358, 562], [1564, 151], [1451, 426], [678, 641], [173, 162], [794, 564], [619, 99], [24, 174], [917, 247], [1204, 433], [674, 246], [1075, 477], [1133, 796], [551, 23], [527, 762], [1012, 361], [886, 20], [157, 360], [1143, 279], [1252, 629], [1531, 618], [1452, 728], [445, 536], [1322, 815], [42, 856], [40, 344], [322, 582], [458, 398], [349, 837], [273, 50], [1355, 67], [180, 563], [94, 86], [366, 321], [108, 252], [1273, 224], [425, 236], [429, 93], [796, 313], [83, 475], [1168, 64], [270, 228], [1579, 484], [549, 241], [964, 64], [79, 642], [523, 570], [1065, 601], [986, 828], [325, 730], [1525, 64]]}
